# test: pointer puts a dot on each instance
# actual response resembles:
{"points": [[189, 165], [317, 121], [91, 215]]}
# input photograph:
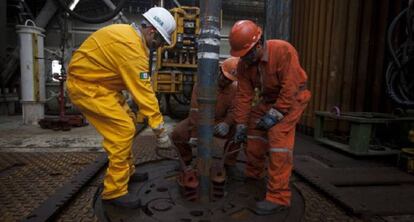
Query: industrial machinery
{"points": [[176, 65], [400, 75], [400, 72]]}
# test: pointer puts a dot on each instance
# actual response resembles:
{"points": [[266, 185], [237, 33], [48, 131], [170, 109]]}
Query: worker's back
{"points": [[102, 54]]}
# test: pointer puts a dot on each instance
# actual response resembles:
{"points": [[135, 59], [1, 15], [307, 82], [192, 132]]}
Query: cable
{"points": [[399, 78], [96, 20], [389, 37], [398, 82], [182, 101]]}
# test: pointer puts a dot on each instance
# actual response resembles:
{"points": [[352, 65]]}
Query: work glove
{"points": [[163, 140], [193, 141], [221, 129], [271, 118], [241, 134]]}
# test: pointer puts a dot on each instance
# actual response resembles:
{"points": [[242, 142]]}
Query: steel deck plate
{"points": [[363, 187], [162, 201], [28, 179]]}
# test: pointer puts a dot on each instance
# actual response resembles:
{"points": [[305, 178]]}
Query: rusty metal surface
{"points": [[161, 200], [359, 190], [64, 123], [55, 169], [28, 179], [362, 186], [81, 207], [320, 208], [54, 203]]}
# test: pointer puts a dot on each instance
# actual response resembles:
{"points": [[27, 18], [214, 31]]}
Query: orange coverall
{"points": [[187, 128], [281, 82]]}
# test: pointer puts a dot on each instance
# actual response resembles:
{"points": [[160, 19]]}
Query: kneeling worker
{"points": [[184, 135], [113, 59]]}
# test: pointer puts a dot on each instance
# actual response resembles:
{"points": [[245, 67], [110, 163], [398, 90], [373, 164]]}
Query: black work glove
{"points": [[241, 134], [271, 118]]}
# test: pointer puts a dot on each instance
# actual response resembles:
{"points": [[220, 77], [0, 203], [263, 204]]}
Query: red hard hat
{"points": [[243, 36], [229, 68]]}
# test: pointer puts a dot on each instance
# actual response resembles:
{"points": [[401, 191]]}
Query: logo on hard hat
{"points": [[156, 18]]}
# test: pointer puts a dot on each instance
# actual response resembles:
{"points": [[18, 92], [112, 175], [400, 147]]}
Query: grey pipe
{"points": [[208, 60], [47, 12], [177, 3], [121, 15]]}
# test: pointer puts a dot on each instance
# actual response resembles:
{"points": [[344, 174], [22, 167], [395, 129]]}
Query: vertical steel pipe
{"points": [[3, 28], [208, 59]]}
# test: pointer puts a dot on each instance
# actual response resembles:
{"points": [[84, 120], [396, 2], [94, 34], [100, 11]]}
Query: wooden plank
{"points": [[293, 29], [304, 35], [336, 62], [300, 28], [320, 53], [326, 54], [363, 55], [313, 53], [351, 54], [379, 50], [351, 57], [307, 61]]}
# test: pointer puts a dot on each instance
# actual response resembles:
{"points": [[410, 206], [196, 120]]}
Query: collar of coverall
{"points": [[265, 56], [139, 33]]}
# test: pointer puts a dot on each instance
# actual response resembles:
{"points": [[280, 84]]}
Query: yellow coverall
{"points": [[113, 59]]}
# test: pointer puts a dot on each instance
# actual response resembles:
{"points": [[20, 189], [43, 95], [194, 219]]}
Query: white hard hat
{"points": [[162, 20]]}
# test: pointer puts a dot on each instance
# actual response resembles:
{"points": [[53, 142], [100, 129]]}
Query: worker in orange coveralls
{"points": [[184, 135], [271, 72]]}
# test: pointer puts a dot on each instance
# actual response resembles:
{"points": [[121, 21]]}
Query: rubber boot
{"points": [[126, 201], [266, 207], [138, 177]]}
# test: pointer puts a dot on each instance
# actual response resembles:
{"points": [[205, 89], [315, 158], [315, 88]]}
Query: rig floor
{"points": [[56, 176]]}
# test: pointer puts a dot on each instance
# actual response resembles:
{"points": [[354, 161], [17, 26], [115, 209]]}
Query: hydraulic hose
{"points": [[398, 83], [389, 37], [181, 101], [96, 20], [399, 77]]}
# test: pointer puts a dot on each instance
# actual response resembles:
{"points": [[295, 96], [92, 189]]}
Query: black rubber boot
{"points": [[266, 207], [138, 177], [234, 173], [126, 201]]}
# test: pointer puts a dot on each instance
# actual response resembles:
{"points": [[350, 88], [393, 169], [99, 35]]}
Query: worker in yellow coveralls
{"points": [[113, 59]]}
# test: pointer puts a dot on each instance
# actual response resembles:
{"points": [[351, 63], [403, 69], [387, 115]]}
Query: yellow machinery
{"points": [[176, 65]]}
